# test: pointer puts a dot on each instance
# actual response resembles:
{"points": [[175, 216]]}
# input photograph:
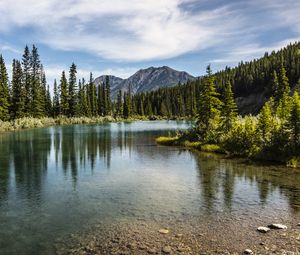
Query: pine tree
{"points": [[93, 96], [297, 87], [229, 109], [4, 91], [265, 122], [56, 105], [107, 97], [294, 122], [73, 91], [18, 91], [125, 105], [119, 109], [26, 80], [37, 104], [283, 83], [64, 95], [209, 105], [49, 109], [99, 100], [275, 87]]}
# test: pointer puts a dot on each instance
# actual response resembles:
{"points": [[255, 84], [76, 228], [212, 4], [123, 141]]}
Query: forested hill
{"points": [[252, 82], [146, 80]]}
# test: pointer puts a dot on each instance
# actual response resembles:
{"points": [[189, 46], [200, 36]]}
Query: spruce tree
{"points": [[294, 122], [56, 105], [93, 96], [64, 95], [18, 91], [283, 83], [36, 75], [119, 109], [4, 91], [125, 105], [209, 106], [73, 91], [26, 80], [229, 109], [107, 97], [265, 122]]}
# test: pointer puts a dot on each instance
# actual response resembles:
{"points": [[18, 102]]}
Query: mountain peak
{"points": [[145, 80]]}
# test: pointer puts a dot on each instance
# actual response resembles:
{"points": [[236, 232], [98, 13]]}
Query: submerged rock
{"points": [[167, 249], [298, 225], [263, 229], [151, 250], [163, 231], [248, 251], [277, 226]]}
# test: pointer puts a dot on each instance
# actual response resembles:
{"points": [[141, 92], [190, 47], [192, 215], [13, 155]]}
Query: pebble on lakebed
{"points": [[263, 229], [163, 231], [248, 251], [277, 226]]}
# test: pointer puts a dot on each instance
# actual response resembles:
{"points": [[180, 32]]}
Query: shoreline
{"points": [[30, 123], [188, 237], [216, 149]]}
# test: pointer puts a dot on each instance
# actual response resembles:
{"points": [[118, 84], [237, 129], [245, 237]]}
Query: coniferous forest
{"points": [[272, 133]]}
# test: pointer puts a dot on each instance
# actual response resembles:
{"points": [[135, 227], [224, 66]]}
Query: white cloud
{"points": [[54, 72], [131, 30], [136, 30], [248, 52], [7, 47]]}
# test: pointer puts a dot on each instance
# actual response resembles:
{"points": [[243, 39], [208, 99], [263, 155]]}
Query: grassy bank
{"points": [[28, 122], [179, 140]]}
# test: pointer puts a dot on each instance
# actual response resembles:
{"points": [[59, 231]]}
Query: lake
{"points": [[59, 180]]}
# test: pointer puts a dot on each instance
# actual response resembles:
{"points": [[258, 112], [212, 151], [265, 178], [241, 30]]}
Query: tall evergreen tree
{"points": [[73, 104], [27, 80], [294, 122], [93, 96], [265, 122], [4, 91], [64, 95], [18, 91], [229, 109], [37, 104], [107, 97], [209, 107], [119, 109], [56, 104]]}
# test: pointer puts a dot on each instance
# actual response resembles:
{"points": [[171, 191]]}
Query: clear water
{"points": [[54, 181]]}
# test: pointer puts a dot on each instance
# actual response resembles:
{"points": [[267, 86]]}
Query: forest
{"points": [[273, 133]]}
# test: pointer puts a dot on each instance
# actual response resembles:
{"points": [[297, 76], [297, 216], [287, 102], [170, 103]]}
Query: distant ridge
{"points": [[145, 80]]}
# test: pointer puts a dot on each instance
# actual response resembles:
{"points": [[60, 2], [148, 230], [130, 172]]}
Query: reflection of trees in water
{"points": [[27, 153], [4, 168], [78, 148], [215, 172]]}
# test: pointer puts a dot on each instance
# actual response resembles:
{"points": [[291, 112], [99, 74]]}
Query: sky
{"points": [[119, 37]]}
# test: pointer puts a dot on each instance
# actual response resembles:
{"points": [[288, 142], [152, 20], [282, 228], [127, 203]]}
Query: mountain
{"points": [[148, 79], [114, 81]]}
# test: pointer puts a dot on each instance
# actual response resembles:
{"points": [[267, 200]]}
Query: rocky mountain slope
{"points": [[146, 80]]}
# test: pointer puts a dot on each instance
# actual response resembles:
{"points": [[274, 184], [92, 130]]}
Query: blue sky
{"points": [[119, 37]]}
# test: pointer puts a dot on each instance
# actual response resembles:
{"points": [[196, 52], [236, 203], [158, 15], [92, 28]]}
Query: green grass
{"points": [[294, 162], [164, 140], [28, 122]]}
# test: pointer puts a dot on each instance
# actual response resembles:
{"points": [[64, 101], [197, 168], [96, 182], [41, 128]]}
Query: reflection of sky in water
{"points": [[55, 180]]}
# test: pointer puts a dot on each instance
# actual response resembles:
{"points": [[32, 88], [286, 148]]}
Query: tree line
{"points": [[28, 95], [253, 77]]}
